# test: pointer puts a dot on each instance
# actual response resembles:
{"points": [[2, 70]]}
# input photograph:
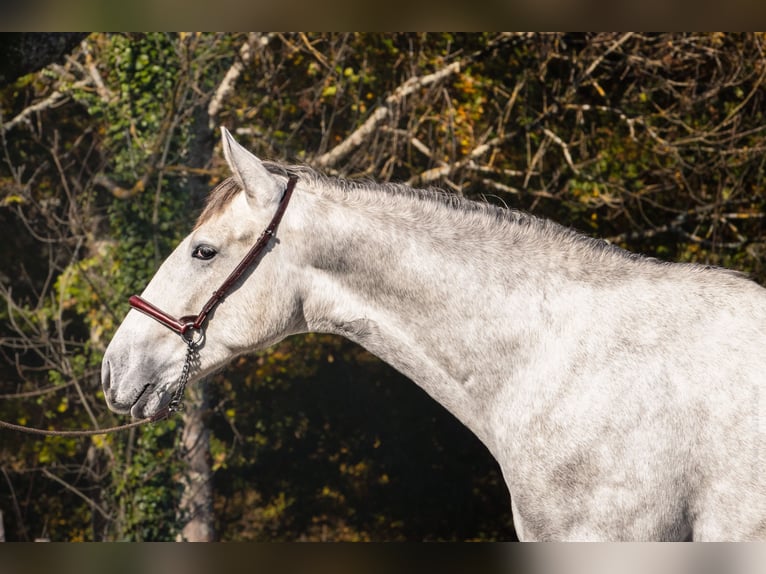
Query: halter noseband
{"points": [[188, 325]]}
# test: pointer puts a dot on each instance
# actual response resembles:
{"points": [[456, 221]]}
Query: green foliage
{"points": [[89, 294], [141, 72], [146, 492]]}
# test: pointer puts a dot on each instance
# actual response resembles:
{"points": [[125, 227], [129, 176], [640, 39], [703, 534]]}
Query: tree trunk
{"points": [[196, 508]]}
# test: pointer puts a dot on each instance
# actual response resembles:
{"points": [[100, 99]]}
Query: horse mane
{"points": [[440, 203], [437, 205], [225, 191]]}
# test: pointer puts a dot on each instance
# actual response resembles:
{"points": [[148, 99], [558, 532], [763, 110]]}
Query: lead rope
{"points": [[91, 432], [174, 406]]}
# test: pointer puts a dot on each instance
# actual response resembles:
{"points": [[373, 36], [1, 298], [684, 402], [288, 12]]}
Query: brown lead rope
{"points": [[90, 432], [175, 405]]}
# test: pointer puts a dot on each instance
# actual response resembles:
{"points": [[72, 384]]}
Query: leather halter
{"points": [[187, 326]]}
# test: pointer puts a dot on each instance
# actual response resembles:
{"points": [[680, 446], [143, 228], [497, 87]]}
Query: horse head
{"points": [[149, 359]]}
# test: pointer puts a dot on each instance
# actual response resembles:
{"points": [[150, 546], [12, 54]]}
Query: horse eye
{"points": [[204, 252]]}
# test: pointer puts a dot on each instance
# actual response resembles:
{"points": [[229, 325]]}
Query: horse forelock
{"points": [[218, 199]]}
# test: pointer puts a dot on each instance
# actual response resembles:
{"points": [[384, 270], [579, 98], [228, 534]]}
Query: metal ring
{"points": [[188, 333]]}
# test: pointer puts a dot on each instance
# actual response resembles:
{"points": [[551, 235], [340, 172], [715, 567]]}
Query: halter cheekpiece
{"points": [[191, 327]]}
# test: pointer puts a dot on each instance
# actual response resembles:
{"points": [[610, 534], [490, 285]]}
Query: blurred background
{"points": [[109, 145]]}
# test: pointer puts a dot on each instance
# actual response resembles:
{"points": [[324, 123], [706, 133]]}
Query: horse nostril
{"points": [[106, 385], [105, 375]]}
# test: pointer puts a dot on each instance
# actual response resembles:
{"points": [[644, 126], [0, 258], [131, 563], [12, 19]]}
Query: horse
{"points": [[623, 397]]}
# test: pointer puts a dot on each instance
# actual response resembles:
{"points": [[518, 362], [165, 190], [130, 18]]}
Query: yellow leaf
{"points": [[599, 89], [11, 199]]}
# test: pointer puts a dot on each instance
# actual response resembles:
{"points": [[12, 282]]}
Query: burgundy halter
{"points": [[186, 326]]}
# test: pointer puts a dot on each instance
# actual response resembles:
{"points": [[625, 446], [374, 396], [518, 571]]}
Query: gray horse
{"points": [[623, 397]]}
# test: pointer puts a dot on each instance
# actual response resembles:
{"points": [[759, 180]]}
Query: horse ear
{"points": [[249, 171]]}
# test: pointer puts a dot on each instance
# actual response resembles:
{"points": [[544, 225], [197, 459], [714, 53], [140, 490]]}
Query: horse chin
{"points": [[115, 408]]}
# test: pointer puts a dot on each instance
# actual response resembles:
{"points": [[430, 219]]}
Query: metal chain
{"points": [[176, 404]]}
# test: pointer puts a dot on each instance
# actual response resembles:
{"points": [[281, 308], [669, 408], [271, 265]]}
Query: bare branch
{"points": [[101, 89], [564, 148], [92, 503], [232, 75], [16, 507], [56, 97], [37, 392], [360, 135], [595, 64]]}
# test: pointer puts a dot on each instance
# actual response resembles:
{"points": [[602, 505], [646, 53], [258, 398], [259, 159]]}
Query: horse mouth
{"points": [[137, 409], [148, 404]]}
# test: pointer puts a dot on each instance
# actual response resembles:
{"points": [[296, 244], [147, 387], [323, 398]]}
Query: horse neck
{"points": [[426, 288]]}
